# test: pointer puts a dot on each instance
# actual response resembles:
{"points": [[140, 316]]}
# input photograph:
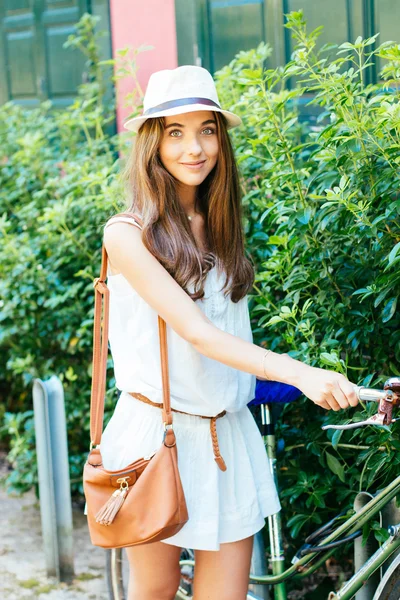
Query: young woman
{"points": [[183, 258]]}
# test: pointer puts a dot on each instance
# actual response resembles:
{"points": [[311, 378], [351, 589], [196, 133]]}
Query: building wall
{"points": [[34, 65], [149, 22], [211, 32]]}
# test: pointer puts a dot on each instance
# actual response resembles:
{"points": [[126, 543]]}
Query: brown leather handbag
{"points": [[143, 502]]}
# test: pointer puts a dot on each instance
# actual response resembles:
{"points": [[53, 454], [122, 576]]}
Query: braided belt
{"points": [[213, 426]]}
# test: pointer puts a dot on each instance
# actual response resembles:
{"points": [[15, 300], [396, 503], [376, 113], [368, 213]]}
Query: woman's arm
{"points": [[245, 356], [155, 285]]}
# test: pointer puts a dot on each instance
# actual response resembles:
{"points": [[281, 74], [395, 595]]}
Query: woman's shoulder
{"points": [[134, 219]]}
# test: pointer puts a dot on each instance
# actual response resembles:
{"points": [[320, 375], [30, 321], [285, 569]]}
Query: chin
{"points": [[195, 180]]}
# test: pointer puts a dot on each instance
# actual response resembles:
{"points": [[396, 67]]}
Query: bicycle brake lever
{"points": [[375, 420], [381, 418]]}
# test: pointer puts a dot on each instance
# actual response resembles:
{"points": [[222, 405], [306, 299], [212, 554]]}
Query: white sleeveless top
{"points": [[198, 384]]}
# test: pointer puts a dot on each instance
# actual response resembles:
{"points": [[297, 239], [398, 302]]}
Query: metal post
{"points": [[54, 483], [62, 487], [45, 472], [274, 521], [363, 552]]}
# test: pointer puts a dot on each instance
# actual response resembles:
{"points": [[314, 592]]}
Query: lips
{"points": [[194, 166]]}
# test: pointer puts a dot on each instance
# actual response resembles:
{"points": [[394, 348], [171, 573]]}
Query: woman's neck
{"points": [[187, 198]]}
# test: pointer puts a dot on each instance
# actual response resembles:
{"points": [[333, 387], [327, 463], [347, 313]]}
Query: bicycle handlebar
{"points": [[369, 394], [387, 398]]}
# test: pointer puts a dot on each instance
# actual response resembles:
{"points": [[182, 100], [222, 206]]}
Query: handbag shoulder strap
{"points": [[100, 347]]}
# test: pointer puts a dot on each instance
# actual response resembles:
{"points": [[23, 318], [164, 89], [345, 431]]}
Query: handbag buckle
{"points": [[123, 482], [99, 285], [168, 427]]}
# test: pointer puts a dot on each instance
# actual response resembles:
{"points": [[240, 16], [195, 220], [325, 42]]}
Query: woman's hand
{"points": [[328, 389]]}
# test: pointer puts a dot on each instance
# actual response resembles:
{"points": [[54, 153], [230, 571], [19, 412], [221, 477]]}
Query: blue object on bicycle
{"points": [[274, 391]]}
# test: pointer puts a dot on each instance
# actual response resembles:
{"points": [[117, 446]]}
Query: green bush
{"points": [[322, 217], [58, 185]]}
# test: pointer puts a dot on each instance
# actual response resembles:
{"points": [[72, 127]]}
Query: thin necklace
{"points": [[190, 217]]}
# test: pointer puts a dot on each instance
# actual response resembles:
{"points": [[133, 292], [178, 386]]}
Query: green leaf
{"points": [[335, 466], [144, 48], [277, 239], [304, 216], [336, 437], [369, 41], [381, 533], [381, 296], [296, 523], [252, 73], [389, 310], [395, 250], [346, 46], [273, 320], [329, 359], [123, 51]]}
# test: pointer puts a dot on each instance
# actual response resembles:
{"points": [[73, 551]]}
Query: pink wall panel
{"points": [[149, 22]]}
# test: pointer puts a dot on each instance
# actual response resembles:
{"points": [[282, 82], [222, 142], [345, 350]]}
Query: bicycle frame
{"points": [[302, 567], [318, 555], [381, 555], [274, 521]]}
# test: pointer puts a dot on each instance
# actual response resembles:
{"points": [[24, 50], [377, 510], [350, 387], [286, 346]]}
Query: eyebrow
{"points": [[180, 125]]}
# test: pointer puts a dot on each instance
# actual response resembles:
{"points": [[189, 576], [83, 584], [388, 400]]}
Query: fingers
{"points": [[333, 403], [341, 394], [323, 404], [348, 389], [332, 397]]}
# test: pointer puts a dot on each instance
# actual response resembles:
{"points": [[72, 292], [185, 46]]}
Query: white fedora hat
{"points": [[174, 91]]}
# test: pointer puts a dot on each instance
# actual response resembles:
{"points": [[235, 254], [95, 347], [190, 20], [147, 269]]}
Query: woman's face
{"points": [[189, 146]]}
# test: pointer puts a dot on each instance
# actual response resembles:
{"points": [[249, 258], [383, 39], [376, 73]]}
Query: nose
{"points": [[194, 147]]}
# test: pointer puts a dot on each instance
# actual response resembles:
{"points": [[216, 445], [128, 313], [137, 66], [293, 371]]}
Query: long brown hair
{"points": [[152, 192]]}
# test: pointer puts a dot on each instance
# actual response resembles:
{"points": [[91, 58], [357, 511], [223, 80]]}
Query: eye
{"points": [[174, 131], [209, 129]]}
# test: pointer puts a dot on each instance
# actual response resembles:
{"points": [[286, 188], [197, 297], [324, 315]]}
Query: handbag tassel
{"points": [[109, 511]]}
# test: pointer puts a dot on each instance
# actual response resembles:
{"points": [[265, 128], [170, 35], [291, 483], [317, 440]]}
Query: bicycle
{"points": [[321, 544]]}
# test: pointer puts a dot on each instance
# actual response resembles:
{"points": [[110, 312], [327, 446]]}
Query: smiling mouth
{"points": [[198, 164]]}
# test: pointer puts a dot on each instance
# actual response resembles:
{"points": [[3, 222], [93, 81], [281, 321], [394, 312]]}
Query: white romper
{"points": [[223, 506]]}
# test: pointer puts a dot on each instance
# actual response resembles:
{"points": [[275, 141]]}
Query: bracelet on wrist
{"points": [[263, 363]]}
